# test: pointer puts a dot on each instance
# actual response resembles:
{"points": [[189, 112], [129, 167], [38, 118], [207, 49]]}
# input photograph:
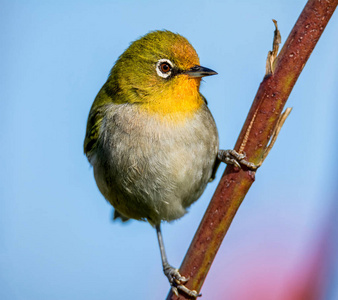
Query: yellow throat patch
{"points": [[178, 101]]}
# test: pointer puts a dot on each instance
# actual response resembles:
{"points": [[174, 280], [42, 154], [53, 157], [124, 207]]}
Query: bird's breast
{"points": [[157, 165]]}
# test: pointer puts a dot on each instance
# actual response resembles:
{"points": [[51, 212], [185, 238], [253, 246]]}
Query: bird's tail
{"points": [[117, 215]]}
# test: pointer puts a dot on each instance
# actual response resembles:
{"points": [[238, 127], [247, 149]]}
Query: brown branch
{"points": [[259, 126]]}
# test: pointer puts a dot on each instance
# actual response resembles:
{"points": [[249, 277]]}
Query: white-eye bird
{"points": [[151, 138]]}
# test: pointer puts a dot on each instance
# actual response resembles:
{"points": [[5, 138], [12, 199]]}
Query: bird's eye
{"points": [[164, 67]]}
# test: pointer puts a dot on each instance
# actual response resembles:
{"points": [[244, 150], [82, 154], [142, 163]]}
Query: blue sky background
{"points": [[57, 240]]}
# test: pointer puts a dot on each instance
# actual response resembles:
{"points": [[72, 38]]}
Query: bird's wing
{"points": [[214, 170], [217, 161], [204, 99], [96, 115]]}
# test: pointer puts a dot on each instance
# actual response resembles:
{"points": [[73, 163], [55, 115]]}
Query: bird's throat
{"points": [[178, 101]]}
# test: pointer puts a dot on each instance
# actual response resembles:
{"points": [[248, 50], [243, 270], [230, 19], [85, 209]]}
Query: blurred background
{"points": [[57, 240]]}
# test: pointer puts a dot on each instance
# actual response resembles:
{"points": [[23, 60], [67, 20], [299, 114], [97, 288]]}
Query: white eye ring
{"points": [[158, 68]]}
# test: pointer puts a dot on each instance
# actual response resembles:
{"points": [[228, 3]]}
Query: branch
{"points": [[261, 123]]}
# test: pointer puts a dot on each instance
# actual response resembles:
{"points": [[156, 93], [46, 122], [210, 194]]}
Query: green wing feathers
{"points": [[96, 115]]}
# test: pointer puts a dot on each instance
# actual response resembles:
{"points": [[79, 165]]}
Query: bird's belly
{"points": [[148, 169]]}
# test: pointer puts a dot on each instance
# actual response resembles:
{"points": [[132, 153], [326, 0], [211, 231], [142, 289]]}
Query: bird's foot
{"points": [[234, 158], [177, 282]]}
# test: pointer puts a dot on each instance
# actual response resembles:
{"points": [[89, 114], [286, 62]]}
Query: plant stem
{"points": [[261, 121]]}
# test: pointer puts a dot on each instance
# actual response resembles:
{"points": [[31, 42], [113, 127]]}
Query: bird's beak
{"points": [[198, 71]]}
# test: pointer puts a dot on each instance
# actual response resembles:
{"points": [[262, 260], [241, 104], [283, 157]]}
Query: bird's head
{"points": [[161, 73]]}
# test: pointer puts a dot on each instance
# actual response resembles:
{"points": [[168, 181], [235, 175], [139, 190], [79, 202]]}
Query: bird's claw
{"points": [[234, 158], [177, 282], [185, 290], [174, 275]]}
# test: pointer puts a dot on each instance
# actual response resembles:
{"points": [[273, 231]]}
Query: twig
{"points": [[262, 121]]}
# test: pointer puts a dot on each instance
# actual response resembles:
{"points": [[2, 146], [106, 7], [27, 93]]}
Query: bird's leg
{"points": [[176, 280], [234, 158]]}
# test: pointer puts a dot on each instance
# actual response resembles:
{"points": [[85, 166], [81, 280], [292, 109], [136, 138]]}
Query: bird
{"points": [[151, 139]]}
